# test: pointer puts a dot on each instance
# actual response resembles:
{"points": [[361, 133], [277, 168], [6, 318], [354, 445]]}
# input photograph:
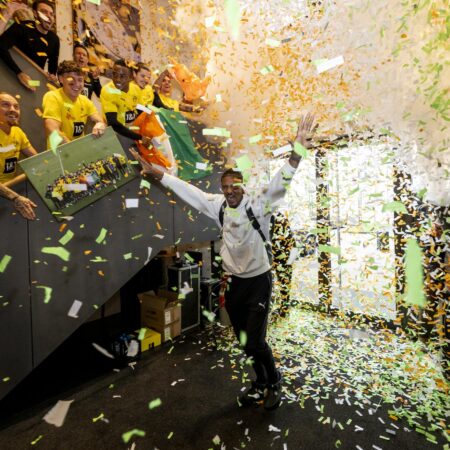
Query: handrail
{"points": [[15, 181], [22, 177], [30, 61]]}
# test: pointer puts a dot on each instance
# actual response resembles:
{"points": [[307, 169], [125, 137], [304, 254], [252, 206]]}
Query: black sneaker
{"points": [[273, 397], [253, 394]]}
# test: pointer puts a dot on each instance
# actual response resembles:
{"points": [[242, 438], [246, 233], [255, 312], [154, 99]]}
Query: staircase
{"points": [[37, 289]]}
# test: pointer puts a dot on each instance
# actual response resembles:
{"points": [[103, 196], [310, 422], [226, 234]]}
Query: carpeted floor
{"points": [[198, 385]]}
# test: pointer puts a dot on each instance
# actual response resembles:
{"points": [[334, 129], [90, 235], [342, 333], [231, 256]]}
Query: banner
{"points": [[78, 173]]}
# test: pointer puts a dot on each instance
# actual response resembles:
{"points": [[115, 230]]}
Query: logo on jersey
{"points": [[130, 116], [78, 129], [10, 165]]}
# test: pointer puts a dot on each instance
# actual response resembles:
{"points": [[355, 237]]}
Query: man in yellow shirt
{"points": [[66, 110], [119, 99], [13, 141], [162, 96], [142, 76]]}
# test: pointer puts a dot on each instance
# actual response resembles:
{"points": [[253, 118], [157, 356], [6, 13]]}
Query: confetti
{"points": [[4, 263], [75, 308], [155, 403], [414, 274], [47, 293], [129, 434], [329, 64], [61, 252], [131, 203], [101, 236], [66, 238]]}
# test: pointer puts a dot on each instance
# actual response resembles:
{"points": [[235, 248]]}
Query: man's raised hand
{"points": [[306, 129]]}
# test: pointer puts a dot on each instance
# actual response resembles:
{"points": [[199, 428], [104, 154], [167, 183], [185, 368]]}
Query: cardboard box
{"points": [[151, 339], [171, 331], [162, 313]]}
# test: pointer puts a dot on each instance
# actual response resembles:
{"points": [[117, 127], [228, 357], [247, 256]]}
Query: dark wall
{"points": [[30, 328]]}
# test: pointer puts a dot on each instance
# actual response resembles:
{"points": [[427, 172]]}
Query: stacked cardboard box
{"points": [[162, 313], [150, 338]]}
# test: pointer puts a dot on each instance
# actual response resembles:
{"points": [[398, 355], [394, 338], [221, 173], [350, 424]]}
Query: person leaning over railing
{"points": [[13, 141], [91, 77], [119, 99], [142, 76], [162, 88], [34, 38], [66, 109]]}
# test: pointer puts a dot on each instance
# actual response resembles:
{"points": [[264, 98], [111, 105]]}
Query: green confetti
{"points": [[330, 249], [99, 417], [216, 440], [244, 164], [155, 403], [272, 42], [189, 257], [243, 338], [414, 274], [127, 256], [47, 293], [216, 131], [142, 332], [37, 439], [209, 315], [137, 236], [254, 139], [233, 15], [61, 252], [266, 70], [129, 434], [318, 62], [98, 259], [54, 140], [6, 379], [101, 236], [34, 83], [421, 193], [144, 184], [66, 238], [170, 435], [398, 207], [4, 263], [300, 150]]}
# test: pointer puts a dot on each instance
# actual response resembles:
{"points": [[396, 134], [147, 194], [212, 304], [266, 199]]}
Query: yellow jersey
{"points": [[170, 103], [72, 115], [10, 147], [147, 94], [114, 100]]}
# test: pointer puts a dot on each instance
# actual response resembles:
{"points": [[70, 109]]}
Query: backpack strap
{"points": [[255, 224], [221, 212], [257, 227]]}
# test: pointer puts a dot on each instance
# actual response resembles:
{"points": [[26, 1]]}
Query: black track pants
{"points": [[247, 301]]}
